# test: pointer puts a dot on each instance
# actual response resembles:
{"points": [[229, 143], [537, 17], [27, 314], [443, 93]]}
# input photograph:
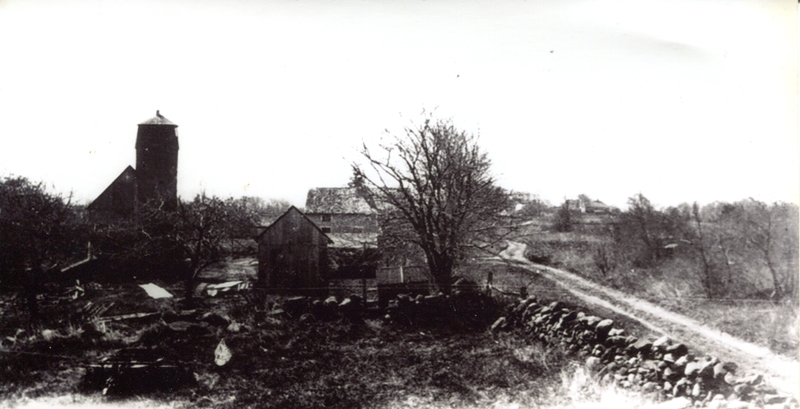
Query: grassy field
{"points": [[672, 284]]}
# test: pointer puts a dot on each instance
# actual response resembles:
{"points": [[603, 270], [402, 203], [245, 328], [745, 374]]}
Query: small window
{"points": [[326, 229], [326, 217]]}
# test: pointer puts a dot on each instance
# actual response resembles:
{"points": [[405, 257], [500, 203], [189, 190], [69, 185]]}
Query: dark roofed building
{"points": [[155, 177], [119, 198]]}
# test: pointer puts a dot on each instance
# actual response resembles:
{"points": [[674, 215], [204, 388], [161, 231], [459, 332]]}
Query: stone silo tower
{"points": [[157, 162]]}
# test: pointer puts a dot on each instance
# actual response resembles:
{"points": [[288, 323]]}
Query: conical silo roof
{"points": [[158, 120]]}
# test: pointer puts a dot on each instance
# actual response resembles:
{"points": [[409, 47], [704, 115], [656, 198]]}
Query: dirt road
{"points": [[780, 372]]}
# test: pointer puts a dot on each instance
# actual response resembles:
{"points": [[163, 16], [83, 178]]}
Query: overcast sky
{"points": [[679, 100]]}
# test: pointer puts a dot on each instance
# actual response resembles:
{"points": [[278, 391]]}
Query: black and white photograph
{"points": [[399, 204]]}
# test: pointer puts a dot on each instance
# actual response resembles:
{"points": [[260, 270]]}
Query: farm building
{"points": [[155, 177], [351, 222], [340, 210], [292, 254]]}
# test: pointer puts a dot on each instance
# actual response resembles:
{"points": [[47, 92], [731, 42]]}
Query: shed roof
{"points": [[290, 209], [158, 120], [342, 200]]}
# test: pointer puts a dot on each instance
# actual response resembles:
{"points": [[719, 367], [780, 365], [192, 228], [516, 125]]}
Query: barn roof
{"points": [[129, 172], [341, 200], [290, 209], [158, 120]]}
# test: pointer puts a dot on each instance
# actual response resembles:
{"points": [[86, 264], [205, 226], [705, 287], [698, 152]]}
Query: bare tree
{"points": [[437, 180], [196, 231]]}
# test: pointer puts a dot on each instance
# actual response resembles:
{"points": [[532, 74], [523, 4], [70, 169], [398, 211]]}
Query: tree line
{"points": [[41, 233], [745, 248]]}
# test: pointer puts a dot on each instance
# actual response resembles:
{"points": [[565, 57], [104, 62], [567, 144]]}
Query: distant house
{"points": [[576, 205], [292, 254], [338, 210], [351, 222], [598, 207]]}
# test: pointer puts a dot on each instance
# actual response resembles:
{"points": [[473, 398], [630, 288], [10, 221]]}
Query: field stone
{"points": [[598, 350], [593, 364], [743, 389], [347, 304], [615, 341], [614, 332], [499, 325], [771, 399], [683, 361], [332, 302], [642, 345], [569, 317], [649, 387], [692, 369], [777, 406], [676, 403], [706, 370], [662, 343], [603, 327], [696, 390], [765, 389], [730, 367], [669, 374], [590, 320], [737, 404], [717, 404], [677, 350], [753, 379]]}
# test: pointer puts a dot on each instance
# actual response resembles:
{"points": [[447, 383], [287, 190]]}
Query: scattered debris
{"points": [[92, 311], [136, 371], [128, 316], [229, 287], [155, 291], [222, 354], [76, 291], [217, 319]]}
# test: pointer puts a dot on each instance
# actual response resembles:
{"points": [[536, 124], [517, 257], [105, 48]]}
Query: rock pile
{"points": [[659, 366]]}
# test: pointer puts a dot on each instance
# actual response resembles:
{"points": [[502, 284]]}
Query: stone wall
{"points": [[661, 366]]}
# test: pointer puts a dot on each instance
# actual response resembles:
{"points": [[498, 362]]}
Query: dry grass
{"points": [[673, 285]]}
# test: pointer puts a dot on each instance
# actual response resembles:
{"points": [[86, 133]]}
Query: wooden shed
{"points": [[292, 255]]}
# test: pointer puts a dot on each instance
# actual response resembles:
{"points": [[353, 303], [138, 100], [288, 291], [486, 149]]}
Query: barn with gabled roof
{"points": [[292, 255]]}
